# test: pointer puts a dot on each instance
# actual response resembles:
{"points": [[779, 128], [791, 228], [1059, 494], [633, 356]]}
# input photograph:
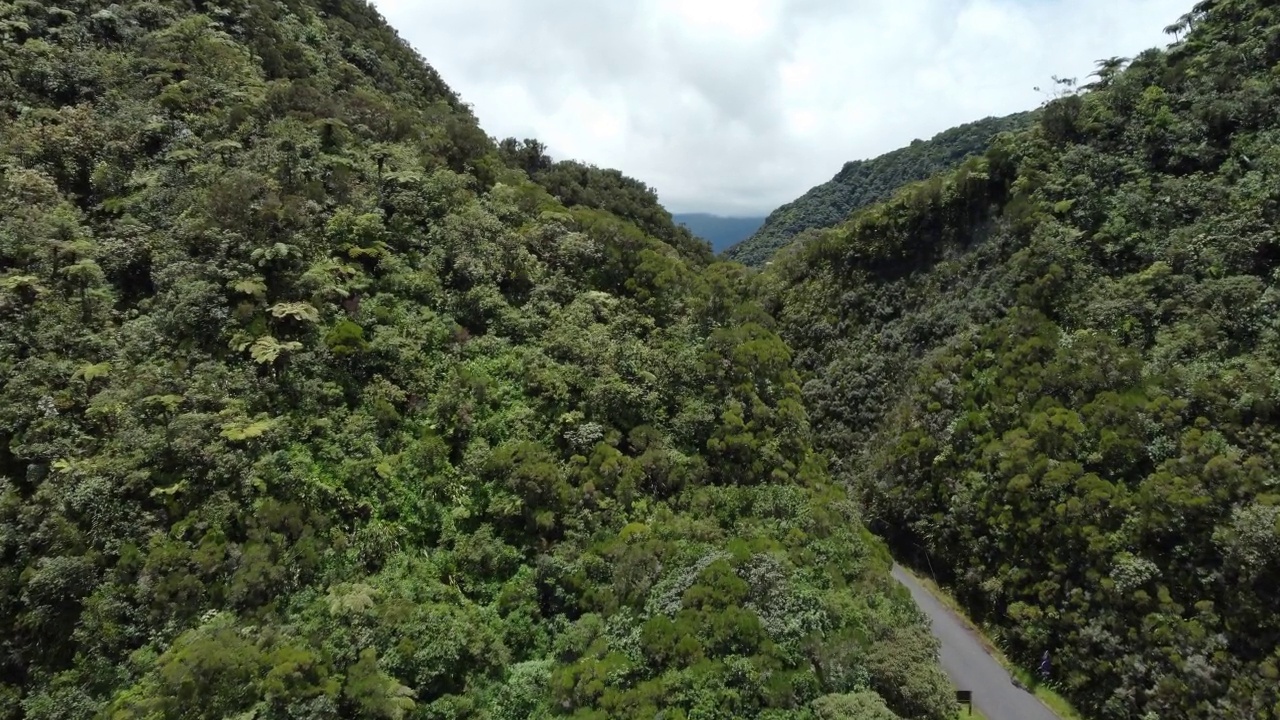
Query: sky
{"points": [[737, 106]]}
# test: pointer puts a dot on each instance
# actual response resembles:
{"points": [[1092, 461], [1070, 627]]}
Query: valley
{"points": [[317, 401]]}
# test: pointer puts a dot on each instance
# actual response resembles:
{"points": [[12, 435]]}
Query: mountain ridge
{"points": [[1049, 373], [722, 231], [318, 402], [860, 183]]}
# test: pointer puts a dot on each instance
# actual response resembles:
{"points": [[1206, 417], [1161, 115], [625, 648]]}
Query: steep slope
{"points": [[575, 183], [722, 232], [314, 405], [864, 182], [1055, 370]]}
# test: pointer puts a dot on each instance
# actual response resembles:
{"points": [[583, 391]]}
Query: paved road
{"points": [[970, 667]]}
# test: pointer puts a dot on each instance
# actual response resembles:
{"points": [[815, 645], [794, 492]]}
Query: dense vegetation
{"points": [[865, 182], [1056, 371], [578, 184], [722, 232], [316, 402]]}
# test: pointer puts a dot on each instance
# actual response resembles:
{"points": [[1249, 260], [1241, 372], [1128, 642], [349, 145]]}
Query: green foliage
{"points": [[266, 349], [315, 402], [577, 184], [1051, 374], [863, 183], [346, 338], [297, 310], [852, 706]]}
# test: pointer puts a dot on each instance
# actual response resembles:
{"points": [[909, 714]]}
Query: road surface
{"points": [[969, 666]]}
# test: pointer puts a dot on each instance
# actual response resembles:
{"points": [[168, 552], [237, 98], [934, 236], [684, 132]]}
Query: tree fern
{"points": [[266, 349], [298, 310], [90, 372], [254, 286]]}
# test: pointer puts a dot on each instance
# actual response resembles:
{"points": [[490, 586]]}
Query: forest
{"points": [[861, 183], [316, 401], [1052, 374]]}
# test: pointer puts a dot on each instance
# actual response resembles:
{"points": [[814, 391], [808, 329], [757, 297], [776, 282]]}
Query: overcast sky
{"points": [[737, 106]]}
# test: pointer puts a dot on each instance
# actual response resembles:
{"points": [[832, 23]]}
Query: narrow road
{"points": [[969, 666]]}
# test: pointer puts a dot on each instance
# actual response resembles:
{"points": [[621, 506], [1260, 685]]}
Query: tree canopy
{"points": [[861, 183], [1055, 371], [318, 402]]}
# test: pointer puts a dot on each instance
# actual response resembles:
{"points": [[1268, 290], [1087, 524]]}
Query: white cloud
{"points": [[736, 106]]}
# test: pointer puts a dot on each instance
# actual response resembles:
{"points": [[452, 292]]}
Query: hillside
{"points": [[865, 182], [1053, 375], [579, 184], [722, 232], [316, 402]]}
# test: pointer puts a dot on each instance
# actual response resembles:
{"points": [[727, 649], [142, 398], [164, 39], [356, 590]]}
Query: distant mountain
{"points": [[864, 182], [722, 232]]}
